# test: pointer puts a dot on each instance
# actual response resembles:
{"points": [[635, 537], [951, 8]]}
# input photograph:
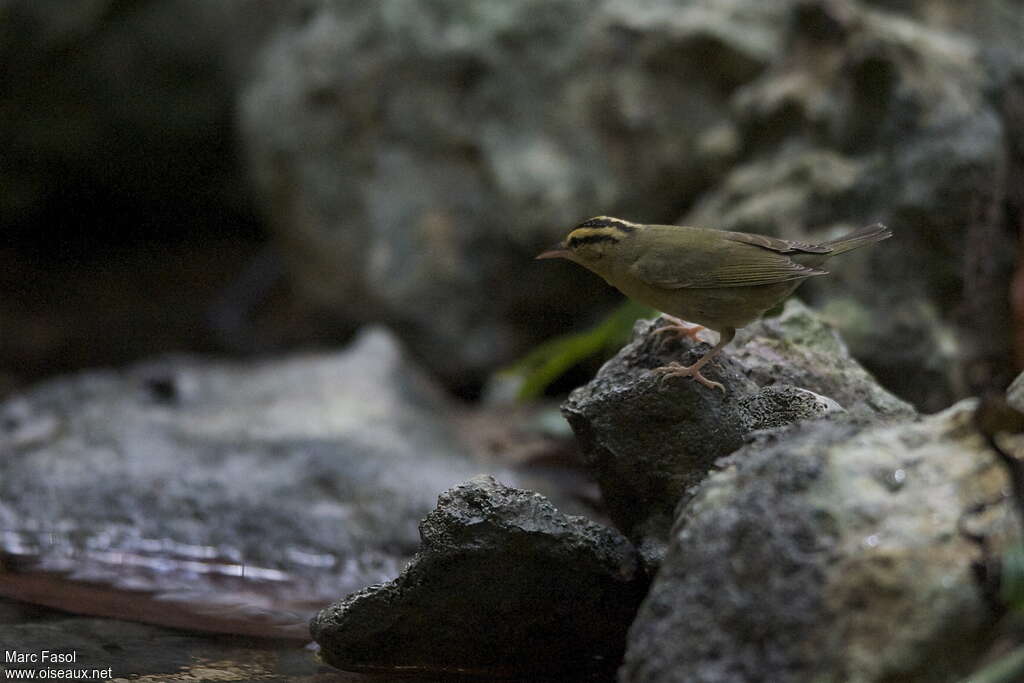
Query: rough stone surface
{"points": [[799, 347], [831, 552], [504, 585], [778, 406], [213, 495], [648, 440]]}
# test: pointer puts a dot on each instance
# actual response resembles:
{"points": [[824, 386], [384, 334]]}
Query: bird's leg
{"points": [[675, 369], [679, 328]]}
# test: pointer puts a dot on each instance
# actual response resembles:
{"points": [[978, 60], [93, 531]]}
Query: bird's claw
{"points": [[677, 328], [675, 369]]}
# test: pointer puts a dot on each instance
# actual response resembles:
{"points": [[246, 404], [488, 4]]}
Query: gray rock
{"points": [[219, 496], [782, 405], [994, 23], [871, 116], [647, 441], [504, 585], [1015, 394], [799, 347], [414, 160], [830, 554]]}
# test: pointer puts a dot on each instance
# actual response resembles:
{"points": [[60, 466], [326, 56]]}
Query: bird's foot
{"points": [[678, 328], [675, 369]]}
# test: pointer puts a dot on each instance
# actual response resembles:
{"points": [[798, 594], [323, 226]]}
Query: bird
{"points": [[718, 279]]}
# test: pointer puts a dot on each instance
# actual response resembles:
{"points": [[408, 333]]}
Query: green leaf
{"points": [[1007, 669], [1011, 587], [1010, 667], [553, 358]]}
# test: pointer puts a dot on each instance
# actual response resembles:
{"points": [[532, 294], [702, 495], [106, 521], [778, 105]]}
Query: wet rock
{"points": [[503, 585], [831, 553], [648, 441], [222, 496], [415, 161]]}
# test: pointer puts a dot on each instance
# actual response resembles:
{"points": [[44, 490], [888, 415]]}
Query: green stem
{"points": [[1006, 669], [549, 361]]}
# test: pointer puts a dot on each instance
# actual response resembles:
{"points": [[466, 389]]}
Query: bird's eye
{"points": [[574, 242]]}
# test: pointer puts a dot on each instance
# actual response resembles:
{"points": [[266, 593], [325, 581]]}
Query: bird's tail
{"points": [[858, 238]]}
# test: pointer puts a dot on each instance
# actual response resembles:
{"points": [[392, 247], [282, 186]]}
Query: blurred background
{"points": [[245, 177]]}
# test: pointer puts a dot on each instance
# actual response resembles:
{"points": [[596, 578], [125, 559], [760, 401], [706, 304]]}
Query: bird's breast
{"points": [[715, 308]]}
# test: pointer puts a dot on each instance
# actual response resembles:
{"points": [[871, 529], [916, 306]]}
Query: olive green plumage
{"points": [[721, 280]]}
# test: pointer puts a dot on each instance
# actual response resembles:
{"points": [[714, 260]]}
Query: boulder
{"points": [[648, 440], [504, 585], [873, 116], [833, 552], [413, 160], [222, 496]]}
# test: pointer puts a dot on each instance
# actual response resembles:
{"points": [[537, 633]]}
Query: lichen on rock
{"points": [[832, 554]]}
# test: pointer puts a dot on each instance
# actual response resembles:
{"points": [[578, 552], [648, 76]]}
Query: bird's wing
{"points": [[776, 244], [718, 263]]}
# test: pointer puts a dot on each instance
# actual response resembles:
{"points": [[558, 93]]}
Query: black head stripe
{"points": [[591, 239], [606, 222]]}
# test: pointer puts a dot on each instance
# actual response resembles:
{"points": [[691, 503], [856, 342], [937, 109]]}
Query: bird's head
{"points": [[592, 240]]}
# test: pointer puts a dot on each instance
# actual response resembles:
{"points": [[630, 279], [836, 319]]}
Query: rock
{"points": [[799, 347], [994, 23], [1015, 394], [648, 441], [871, 116], [219, 496], [831, 553], [778, 406], [503, 585], [414, 161]]}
